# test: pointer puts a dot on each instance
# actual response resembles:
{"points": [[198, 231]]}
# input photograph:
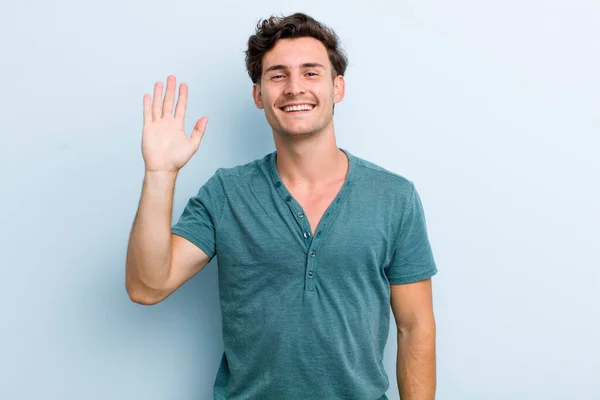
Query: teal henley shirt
{"points": [[307, 317]]}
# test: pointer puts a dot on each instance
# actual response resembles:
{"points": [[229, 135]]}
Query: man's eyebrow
{"points": [[275, 67], [305, 65], [313, 65]]}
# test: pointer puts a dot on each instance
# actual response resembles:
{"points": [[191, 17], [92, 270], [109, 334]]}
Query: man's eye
{"points": [[311, 74], [277, 77]]}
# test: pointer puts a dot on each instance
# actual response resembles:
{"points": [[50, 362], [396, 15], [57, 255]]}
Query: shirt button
{"points": [[319, 234], [313, 253], [310, 274], [289, 198], [300, 214], [277, 184], [306, 235]]}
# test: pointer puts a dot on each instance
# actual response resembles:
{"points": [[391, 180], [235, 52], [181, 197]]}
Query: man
{"points": [[312, 242]]}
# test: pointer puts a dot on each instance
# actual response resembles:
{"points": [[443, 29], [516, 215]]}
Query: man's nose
{"points": [[294, 86]]}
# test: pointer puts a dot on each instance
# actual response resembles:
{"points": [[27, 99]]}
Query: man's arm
{"points": [[158, 262], [415, 364]]}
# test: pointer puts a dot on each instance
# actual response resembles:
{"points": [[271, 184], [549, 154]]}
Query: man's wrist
{"points": [[152, 174]]}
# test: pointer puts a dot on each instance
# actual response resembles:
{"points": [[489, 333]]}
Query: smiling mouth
{"points": [[300, 108]]}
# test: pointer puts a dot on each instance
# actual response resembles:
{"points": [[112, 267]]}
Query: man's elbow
{"points": [[142, 299], [143, 295]]}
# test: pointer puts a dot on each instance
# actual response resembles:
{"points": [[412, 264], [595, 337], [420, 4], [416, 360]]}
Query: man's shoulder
{"points": [[246, 170], [375, 174]]}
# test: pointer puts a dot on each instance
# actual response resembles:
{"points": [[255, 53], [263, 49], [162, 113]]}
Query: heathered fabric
{"points": [[307, 317]]}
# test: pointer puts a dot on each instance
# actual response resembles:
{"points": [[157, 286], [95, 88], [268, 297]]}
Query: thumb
{"points": [[198, 131]]}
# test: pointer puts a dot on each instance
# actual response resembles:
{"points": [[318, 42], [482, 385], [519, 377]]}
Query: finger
{"points": [[167, 110], [157, 101], [198, 131], [147, 109], [181, 102]]}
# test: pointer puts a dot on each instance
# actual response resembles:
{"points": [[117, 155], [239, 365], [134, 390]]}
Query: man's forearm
{"points": [[415, 364], [149, 250]]}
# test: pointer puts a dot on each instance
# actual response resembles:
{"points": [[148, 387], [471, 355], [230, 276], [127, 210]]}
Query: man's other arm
{"points": [[412, 307]]}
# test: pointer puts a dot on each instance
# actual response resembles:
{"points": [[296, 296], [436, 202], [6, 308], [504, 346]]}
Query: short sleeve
{"points": [[413, 259], [200, 217]]}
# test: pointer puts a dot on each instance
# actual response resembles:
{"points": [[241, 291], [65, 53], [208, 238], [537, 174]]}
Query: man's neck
{"points": [[310, 163]]}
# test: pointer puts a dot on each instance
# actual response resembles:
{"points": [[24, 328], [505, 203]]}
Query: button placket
{"points": [[312, 258], [299, 215], [304, 227], [313, 250], [312, 242], [310, 273]]}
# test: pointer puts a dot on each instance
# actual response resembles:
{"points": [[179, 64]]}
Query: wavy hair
{"points": [[269, 31]]}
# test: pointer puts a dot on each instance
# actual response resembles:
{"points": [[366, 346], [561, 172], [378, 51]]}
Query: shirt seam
{"points": [[410, 200], [381, 170], [402, 221], [222, 212]]}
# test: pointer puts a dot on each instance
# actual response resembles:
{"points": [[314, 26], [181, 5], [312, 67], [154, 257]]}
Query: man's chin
{"points": [[297, 132]]}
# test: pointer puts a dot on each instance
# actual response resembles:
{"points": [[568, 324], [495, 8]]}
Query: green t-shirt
{"points": [[307, 317]]}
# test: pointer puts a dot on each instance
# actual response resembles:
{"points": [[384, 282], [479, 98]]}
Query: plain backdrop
{"points": [[491, 108]]}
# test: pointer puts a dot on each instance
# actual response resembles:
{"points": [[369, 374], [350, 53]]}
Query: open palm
{"points": [[165, 146]]}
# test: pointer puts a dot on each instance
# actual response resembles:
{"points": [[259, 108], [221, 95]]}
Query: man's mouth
{"points": [[297, 108]]}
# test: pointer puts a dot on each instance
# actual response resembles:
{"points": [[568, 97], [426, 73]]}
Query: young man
{"points": [[312, 242]]}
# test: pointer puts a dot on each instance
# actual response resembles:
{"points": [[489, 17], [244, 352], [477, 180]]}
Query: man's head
{"points": [[296, 61]]}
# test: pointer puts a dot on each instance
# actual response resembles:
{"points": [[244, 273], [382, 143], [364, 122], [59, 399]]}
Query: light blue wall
{"points": [[491, 108]]}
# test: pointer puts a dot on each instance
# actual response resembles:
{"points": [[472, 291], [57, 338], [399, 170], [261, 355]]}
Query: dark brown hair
{"points": [[298, 25]]}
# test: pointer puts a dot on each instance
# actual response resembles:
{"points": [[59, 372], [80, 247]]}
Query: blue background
{"points": [[491, 108]]}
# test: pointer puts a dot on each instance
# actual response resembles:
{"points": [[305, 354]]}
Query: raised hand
{"points": [[165, 146]]}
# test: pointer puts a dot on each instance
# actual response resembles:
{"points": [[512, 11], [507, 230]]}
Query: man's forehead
{"points": [[296, 52]]}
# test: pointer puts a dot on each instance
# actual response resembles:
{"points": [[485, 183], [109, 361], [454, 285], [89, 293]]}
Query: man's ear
{"points": [[257, 96], [339, 88]]}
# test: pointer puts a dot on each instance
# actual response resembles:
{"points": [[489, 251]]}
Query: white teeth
{"points": [[302, 107]]}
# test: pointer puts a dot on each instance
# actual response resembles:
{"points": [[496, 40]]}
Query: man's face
{"points": [[297, 90]]}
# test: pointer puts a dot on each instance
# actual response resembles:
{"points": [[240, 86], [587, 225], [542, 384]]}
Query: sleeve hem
{"points": [[224, 202], [201, 244], [398, 280]]}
